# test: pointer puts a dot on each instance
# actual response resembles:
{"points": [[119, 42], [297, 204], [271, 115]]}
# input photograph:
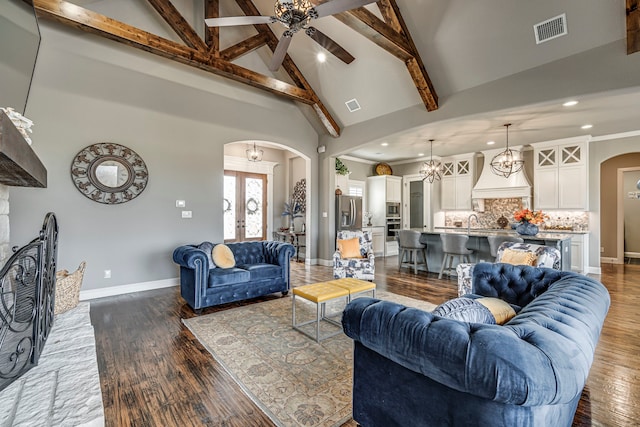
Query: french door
{"points": [[245, 203]]}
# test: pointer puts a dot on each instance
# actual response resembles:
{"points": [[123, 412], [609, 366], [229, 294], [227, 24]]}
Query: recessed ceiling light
{"points": [[570, 103], [384, 144], [420, 154], [321, 57], [490, 142], [586, 126]]}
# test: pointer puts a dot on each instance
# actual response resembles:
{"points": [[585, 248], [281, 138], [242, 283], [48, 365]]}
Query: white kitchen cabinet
{"points": [[580, 253], [393, 188], [457, 182], [561, 174]]}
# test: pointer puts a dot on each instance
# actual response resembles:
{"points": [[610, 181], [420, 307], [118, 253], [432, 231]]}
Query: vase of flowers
{"points": [[528, 221], [293, 210]]}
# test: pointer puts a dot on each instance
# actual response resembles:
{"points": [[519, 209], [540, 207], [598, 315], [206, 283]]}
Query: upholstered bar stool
{"points": [[453, 245], [409, 243], [496, 241]]}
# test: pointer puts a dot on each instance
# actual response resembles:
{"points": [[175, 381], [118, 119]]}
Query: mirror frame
{"points": [[84, 177]]}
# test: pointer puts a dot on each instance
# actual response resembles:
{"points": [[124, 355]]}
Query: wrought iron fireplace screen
{"points": [[27, 292]]}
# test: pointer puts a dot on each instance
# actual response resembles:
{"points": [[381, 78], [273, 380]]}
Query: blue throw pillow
{"points": [[465, 310]]}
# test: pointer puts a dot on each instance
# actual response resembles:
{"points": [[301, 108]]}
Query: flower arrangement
{"points": [[341, 168], [368, 216], [532, 217]]}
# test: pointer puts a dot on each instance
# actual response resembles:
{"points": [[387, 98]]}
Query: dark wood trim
{"points": [[212, 34], [178, 24], [244, 47], [633, 27]]}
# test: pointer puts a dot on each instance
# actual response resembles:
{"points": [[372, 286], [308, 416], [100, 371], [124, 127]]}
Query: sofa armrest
{"points": [[278, 253], [191, 257], [529, 363]]}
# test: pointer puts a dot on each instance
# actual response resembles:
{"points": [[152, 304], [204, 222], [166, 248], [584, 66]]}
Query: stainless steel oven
{"points": [[393, 209], [393, 226]]}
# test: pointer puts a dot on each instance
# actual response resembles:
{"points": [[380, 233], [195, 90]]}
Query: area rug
{"points": [[293, 379]]}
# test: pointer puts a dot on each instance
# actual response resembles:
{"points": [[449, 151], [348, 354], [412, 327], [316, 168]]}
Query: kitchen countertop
{"points": [[484, 232], [505, 230]]}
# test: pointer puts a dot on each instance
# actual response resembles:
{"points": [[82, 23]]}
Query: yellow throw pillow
{"points": [[509, 256], [223, 257], [350, 248], [500, 309]]}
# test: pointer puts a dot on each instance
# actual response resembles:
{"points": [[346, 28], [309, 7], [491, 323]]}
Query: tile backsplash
{"points": [[496, 208]]}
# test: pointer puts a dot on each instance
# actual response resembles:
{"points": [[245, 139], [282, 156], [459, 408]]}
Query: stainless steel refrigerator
{"points": [[348, 213]]}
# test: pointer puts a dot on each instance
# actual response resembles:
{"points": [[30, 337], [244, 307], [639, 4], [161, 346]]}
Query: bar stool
{"points": [[496, 241], [453, 245], [409, 242]]}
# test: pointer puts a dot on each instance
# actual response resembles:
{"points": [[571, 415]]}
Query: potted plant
{"points": [[341, 168], [293, 210]]}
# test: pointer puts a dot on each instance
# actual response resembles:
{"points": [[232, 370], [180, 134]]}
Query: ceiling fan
{"points": [[295, 15]]}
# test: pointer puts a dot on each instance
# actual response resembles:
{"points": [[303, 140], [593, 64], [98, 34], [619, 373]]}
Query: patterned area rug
{"points": [[293, 379]]}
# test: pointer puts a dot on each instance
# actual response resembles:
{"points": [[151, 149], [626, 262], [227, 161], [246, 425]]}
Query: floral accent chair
{"points": [[361, 266], [545, 256]]}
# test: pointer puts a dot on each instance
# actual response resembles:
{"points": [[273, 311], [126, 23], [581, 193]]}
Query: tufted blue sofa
{"points": [[414, 368], [261, 268]]}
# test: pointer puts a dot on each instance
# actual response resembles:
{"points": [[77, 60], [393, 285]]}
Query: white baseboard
{"points": [[325, 262], [632, 254], [594, 270], [90, 294], [608, 260]]}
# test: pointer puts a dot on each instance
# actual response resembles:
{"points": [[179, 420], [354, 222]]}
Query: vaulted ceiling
{"points": [[408, 54]]}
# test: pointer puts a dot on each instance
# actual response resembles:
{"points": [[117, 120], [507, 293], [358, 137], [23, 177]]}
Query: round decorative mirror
{"points": [[109, 173]]}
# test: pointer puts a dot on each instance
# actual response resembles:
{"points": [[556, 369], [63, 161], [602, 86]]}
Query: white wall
{"points": [[631, 208], [179, 131]]}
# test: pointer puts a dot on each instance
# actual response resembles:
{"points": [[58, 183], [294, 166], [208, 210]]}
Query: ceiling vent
{"points": [[353, 105], [551, 28]]}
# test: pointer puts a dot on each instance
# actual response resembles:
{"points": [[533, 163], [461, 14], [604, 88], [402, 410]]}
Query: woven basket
{"points": [[68, 289]]}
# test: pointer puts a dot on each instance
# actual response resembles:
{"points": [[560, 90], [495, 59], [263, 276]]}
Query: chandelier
{"points": [[507, 162], [254, 154], [432, 169], [294, 14]]}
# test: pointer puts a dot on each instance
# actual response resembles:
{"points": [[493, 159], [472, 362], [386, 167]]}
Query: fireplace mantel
{"points": [[19, 164]]}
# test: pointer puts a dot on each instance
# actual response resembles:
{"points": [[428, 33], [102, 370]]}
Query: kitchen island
{"points": [[480, 245]]}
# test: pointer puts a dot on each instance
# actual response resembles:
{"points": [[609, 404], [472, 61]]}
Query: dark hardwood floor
{"points": [[155, 373]]}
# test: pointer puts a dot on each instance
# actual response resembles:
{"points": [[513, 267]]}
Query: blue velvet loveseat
{"points": [[261, 268], [413, 368]]}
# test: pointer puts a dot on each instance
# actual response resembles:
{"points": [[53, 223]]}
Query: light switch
{"points": [[324, 214], [180, 204], [186, 214]]}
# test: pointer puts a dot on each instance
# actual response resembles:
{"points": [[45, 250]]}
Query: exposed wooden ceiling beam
{"points": [[633, 26], [95, 23], [212, 34], [175, 20], [292, 69], [391, 13], [244, 47]]}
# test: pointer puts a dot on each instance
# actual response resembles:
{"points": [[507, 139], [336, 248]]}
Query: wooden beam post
{"points": [[177, 22], [633, 27], [212, 34]]}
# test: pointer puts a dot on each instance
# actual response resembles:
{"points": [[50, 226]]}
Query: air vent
{"points": [[551, 28], [353, 105]]}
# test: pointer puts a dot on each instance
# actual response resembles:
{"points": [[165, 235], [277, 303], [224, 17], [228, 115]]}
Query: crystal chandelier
{"points": [[432, 169], [254, 154], [507, 162]]}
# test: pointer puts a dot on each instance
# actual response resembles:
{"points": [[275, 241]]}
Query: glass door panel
{"points": [[244, 206]]}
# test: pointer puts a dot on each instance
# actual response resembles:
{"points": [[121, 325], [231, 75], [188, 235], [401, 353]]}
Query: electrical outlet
{"points": [[186, 214], [324, 214], [601, 249], [107, 274]]}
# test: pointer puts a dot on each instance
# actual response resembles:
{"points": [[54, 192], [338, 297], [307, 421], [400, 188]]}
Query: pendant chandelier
{"points": [[254, 154], [432, 169], [507, 162]]}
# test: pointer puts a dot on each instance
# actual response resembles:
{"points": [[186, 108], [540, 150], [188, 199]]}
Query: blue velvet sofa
{"points": [[412, 368], [261, 268]]}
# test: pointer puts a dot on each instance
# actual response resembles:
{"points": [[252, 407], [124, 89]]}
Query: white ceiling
{"points": [[464, 45]]}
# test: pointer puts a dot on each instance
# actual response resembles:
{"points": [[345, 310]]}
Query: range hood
{"points": [[492, 186]]}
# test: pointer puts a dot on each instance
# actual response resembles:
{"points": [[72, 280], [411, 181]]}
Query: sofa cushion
{"points": [[510, 256], [466, 310], [349, 248], [207, 248], [501, 310], [227, 276], [222, 256], [262, 271]]}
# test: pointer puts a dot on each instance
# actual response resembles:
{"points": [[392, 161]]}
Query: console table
{"points": [[292, 237]]}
